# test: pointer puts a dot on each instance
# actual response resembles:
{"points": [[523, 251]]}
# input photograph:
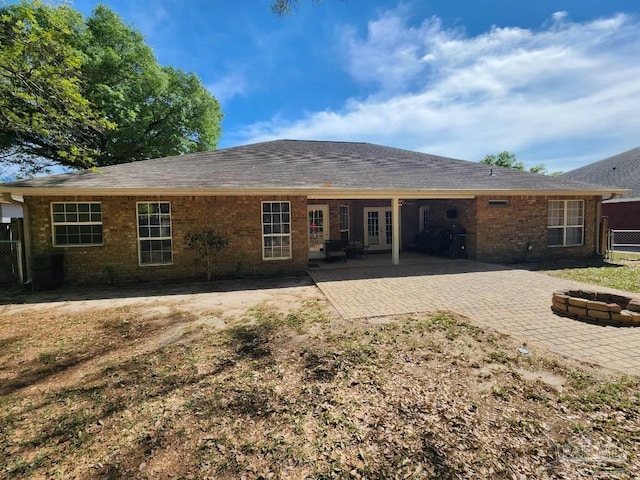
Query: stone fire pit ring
{"points": [[597, 307]]}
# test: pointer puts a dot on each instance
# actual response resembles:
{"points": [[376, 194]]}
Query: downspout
{"points": [[26, 231]]}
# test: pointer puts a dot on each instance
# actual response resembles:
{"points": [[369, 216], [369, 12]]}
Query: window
{"points": [[76, 223], [154, 233], [425, 217], [565, 224], [344, 222], [276, 230]]}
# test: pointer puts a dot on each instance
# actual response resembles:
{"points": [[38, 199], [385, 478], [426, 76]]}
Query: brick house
{"points": [[277, 202], [623, 171]]}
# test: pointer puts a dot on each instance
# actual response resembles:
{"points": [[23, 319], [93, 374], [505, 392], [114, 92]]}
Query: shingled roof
{"points": [[622, 170], [302, 167]]}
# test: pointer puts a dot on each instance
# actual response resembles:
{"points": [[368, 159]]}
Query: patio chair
{"points": [[335, 249]]}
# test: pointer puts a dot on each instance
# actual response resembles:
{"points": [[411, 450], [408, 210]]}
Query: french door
{"points": [[318, 228], [377, 228]]}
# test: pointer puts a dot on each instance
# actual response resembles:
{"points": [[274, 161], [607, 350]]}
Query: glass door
{"points": [[318, 227], [378, 228]]}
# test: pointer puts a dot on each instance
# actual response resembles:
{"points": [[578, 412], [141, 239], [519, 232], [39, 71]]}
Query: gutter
{"points": [[310, 192], [26, 232], [622, 200]]}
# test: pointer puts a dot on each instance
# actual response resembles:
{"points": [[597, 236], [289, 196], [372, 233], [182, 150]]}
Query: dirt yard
{"points": [[260, 379]]}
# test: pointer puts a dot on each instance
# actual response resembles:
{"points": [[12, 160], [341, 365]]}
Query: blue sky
{"points": [[555, 82]]}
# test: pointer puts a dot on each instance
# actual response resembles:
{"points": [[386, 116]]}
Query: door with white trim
{"points": [[378, 233], [318, 228]]}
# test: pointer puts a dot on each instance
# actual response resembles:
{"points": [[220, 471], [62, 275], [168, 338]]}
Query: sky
{"points": [[555, 82]]}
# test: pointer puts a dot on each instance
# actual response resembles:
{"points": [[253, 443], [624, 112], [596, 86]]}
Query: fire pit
{"points": [[597, 307]]}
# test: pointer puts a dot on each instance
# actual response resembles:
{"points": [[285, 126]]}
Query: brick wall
{"points": [[357, 216], [334, 215], [496, 233], [504, 232], [236, 218], [441, 214]]}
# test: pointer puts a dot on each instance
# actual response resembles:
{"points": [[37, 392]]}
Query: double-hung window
{"points": [[154, 233], [565, 223], [76, 223], [276, 230]]}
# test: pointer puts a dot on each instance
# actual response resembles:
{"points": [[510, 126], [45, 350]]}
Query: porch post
{"points": [[395, 231]]}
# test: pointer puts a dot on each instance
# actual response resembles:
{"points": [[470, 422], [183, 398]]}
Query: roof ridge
{"points": [[305, 165]]}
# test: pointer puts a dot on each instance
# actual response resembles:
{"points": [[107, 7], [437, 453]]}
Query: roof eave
{"points": [[315, 193], [622, 200]]}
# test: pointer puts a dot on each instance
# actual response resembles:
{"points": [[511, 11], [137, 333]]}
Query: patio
{"points": [[378, 260], [509, 300]]}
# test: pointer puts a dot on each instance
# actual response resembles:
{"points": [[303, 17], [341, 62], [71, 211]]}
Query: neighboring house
{"points": [[9, 211], [277, 202], [622, 170], [12, 264]]}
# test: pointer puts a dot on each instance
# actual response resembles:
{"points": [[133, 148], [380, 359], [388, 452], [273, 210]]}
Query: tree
{"points": [[206, 243], [286, 7], [159, 111], [508, 160], [43, 111], [90, 92]]}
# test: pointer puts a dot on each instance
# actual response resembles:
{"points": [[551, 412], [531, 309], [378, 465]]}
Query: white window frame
{"points": [[345, 220], [77, 223], [270, 223], [154, 238], [564, 226]]}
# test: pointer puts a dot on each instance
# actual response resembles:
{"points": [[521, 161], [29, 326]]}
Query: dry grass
{"points": [[99, 395]]}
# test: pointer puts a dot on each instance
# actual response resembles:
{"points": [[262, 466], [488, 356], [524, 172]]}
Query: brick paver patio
{"points": [[510, 300]]}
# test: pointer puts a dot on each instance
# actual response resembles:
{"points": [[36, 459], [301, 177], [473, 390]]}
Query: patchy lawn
{"points": [[620, 274], [113, 393]]}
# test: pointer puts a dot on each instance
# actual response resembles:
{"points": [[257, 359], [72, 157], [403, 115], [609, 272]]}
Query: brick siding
{"points": [[503, 233], [334, 215], [495, 233], [236, 218], [465, 218]]}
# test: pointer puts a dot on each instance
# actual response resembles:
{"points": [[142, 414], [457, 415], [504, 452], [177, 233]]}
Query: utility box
{"points": [[47, 271]]}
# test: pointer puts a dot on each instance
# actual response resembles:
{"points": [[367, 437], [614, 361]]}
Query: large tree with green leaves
{"points": [[508, 160], [89, 92], [44, 113]]}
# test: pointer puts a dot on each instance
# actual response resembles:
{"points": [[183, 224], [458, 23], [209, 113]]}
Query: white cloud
{"points": [[560, 15], [229, 86], [567, 87], [393, 54]]}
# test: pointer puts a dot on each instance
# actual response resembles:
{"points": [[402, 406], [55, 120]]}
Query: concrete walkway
{"points": [[509, 300]]}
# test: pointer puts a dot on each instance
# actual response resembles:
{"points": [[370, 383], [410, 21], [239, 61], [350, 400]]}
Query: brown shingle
{"points": [[622, 170], [297, 164]]}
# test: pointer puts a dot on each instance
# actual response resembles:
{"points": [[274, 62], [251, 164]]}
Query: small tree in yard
{"points": [[207, 243]]}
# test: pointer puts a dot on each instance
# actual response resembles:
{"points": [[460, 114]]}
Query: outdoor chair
{"points": [[335, 249]]}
